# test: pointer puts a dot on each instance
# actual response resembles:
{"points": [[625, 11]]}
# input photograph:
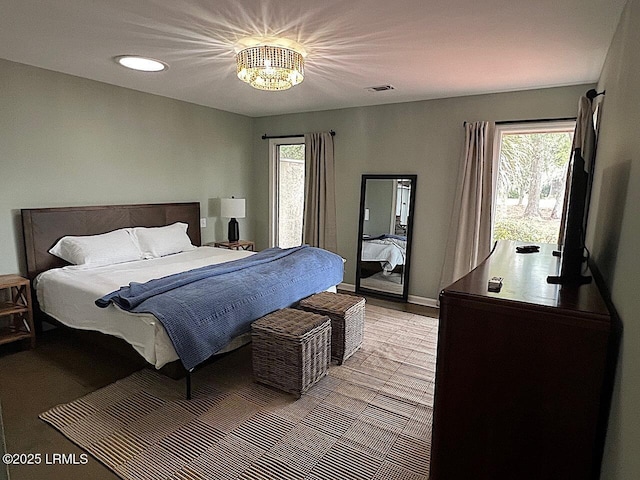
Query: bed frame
{"points": [[43, 227]]}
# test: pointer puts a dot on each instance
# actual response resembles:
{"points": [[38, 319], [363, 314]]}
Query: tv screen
{"points": [[572, 250], [572, 244]]}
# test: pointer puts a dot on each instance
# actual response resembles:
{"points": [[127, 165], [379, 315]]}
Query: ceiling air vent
{"points": [[380, 88]]}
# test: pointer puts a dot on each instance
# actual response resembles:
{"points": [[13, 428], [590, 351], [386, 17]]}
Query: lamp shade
{"points": [[232, 207]]}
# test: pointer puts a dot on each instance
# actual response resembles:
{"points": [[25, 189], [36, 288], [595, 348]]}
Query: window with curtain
{"points": [[532, 163]]}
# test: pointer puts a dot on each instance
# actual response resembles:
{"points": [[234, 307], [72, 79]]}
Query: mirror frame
{"points": [[363, 187]]}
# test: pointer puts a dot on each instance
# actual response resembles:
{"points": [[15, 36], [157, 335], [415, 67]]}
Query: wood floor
{"points": [[65, 365]]}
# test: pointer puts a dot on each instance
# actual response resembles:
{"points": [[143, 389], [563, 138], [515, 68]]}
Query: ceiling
{"points": [[425, 48]]}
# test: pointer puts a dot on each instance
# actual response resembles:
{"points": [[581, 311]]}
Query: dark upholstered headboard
{"points": [[43, 227]]}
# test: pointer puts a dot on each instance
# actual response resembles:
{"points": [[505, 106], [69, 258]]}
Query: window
{"points": [[532, 170], [287, 170]]}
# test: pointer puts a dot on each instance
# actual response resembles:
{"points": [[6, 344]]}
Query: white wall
{"points": [[423, 138], [614, 230], [66, 141]]}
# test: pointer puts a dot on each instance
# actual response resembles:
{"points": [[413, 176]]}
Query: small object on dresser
{"points": [[528, 249], [495, 284]]}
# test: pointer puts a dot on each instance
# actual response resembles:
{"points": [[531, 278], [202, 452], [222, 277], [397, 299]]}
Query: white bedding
{"points": [[390, 252], [68, 295]]}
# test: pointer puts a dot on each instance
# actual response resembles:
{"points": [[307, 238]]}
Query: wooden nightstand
{"points": [[16, 315], [239, 245]]}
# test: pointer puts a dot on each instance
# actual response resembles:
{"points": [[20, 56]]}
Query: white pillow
{"points": [[104, 249], [160, 241]]}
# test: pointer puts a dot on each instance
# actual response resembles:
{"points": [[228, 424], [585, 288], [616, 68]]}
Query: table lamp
{"points": [[232, 208]]}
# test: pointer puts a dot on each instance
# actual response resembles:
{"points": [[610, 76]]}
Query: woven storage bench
{"points": [[347, 321], [291, 349]]}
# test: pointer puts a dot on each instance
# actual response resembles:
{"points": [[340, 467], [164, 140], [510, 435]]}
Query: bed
{"points": [[384, 253], [68, 293]]}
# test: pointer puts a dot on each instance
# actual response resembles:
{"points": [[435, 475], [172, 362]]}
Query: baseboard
{"points": [[423, 301], [347, 287]]}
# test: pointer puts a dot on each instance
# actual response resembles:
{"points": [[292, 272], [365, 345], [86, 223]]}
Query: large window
{"points": [[287, 191], [532, 171]]}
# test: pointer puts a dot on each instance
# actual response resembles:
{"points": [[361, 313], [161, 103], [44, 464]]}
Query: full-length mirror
{"points": [[384, 235]]}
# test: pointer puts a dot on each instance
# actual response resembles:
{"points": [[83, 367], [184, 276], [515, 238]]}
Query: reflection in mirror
{"points": [[385, 227]]}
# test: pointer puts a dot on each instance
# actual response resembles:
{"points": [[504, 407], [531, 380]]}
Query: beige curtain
{"points": [[319, 221], [469, 240]]}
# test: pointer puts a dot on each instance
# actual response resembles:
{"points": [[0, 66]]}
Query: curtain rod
{"points": [[535, 120], [591, 94], [531, 120], [265, 136]]}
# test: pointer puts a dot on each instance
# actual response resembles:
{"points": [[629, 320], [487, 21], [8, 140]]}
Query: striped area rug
{"points": [[369, 419]]}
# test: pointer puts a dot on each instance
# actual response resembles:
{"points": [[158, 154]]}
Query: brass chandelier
{"points": [[270, 67]]}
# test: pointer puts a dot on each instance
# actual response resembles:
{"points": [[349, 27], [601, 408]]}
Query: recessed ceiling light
{"points": [[142, 64]]}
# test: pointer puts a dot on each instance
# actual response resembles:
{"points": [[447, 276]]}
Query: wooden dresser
{"points": [[520, 373]]}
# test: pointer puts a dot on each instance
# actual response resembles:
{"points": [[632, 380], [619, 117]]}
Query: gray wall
{"points": [[379, 200], [423, 138], [65, 141], [614, 230]]}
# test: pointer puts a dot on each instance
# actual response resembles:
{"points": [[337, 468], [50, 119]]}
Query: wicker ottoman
{"points": [[347, 321], [291, 349]]}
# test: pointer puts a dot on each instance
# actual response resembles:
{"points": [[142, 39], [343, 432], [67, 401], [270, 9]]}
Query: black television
{"points": [[572, 245], [572, 248]]}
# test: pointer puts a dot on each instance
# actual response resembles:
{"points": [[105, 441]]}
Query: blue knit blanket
{"points": [[203, 309]]}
